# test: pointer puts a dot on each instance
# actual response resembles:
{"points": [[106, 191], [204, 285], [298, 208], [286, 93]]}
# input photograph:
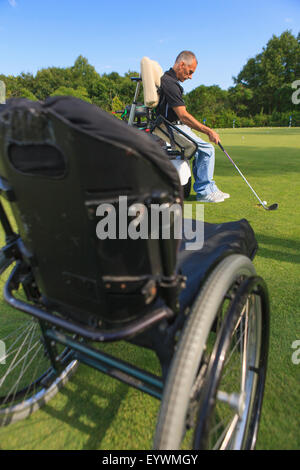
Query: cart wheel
{"points": [[187, 188], [27, 378], [214, 390]]}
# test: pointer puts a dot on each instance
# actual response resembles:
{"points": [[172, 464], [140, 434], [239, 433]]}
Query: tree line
{"points": [[261, 95], [262, 91]]}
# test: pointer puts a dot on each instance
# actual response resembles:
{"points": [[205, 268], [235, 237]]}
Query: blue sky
{"points": [[115, 35]]}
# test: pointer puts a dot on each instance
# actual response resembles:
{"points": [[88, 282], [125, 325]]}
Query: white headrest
{"points": [[151, 73], [2, 92]]}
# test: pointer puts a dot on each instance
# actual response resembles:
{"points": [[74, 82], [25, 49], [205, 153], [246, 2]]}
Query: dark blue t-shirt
{"points": [[170, 95]]}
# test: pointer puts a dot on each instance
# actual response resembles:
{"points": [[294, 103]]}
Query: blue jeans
{"points": [[203, 164]]}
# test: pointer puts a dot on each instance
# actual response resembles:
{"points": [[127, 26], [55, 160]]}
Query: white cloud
{"points": [[12, 3], [288, 20]]}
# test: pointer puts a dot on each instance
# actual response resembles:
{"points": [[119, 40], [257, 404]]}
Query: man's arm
{"points": [[186, 118]]}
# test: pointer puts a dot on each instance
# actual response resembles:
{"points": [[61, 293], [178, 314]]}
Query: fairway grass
{"points": [[94, 411]]}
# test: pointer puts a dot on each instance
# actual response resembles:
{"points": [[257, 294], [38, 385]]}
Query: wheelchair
{"points": [[179, 147], [66, 166]]}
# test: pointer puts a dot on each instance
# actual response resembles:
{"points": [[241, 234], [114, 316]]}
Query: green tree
{"points": [[25, 93], [83, 74], [269, 74], [240, 98], [79, 92], [206, 101], [50, 79], [102, 92]]}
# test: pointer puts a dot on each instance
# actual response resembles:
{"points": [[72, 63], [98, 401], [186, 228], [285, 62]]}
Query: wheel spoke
{"points": [[21, 373], [16, 362], [227, 434], [12, 394], [232, 399], [26, 364], [244, 350]]}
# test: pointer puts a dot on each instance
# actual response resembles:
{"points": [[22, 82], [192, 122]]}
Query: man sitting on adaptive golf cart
{"points": [[172, 107]]}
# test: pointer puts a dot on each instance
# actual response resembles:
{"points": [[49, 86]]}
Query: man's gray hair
{"points": [[186, 56]]}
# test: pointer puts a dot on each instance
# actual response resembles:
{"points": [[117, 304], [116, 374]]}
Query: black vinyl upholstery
{"points": [[220, 240]]}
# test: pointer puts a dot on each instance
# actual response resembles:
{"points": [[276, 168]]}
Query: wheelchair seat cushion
{"points": [[220, 240]]}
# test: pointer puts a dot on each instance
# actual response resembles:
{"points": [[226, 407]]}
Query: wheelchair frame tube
{"points": [[114, 367], [128, 331], [133, 106], [10, 234]]}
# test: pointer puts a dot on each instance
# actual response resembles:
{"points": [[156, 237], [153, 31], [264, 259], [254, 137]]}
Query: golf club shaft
{"points": [[235, 166]]}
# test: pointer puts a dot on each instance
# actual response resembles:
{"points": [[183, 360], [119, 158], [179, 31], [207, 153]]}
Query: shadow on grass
{"points": [[89, 408], [288, 250]]}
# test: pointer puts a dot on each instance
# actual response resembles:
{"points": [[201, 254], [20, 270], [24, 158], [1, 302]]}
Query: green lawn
{"points": [[95, 412]]}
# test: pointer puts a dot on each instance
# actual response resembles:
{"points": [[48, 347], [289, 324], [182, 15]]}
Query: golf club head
{"points": [[273, 207]]}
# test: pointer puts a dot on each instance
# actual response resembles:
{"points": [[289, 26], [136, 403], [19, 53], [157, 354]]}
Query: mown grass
{"points": [[95, 412]]}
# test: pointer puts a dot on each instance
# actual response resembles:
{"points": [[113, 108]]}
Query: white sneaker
{"points": [[225, 195], [212, 197]]}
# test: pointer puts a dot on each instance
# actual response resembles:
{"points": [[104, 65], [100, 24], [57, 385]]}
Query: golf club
{"points": [[268, 208]]}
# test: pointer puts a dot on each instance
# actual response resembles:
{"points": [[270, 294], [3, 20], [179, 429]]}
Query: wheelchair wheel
{"points": [[27, 378], [214, 389]]}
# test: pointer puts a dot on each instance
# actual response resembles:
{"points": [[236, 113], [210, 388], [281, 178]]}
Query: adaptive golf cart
{"points": [[78, 269], [179, 147]]}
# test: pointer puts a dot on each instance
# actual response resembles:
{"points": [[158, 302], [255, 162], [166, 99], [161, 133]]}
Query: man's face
{"points": [[186, 70]]}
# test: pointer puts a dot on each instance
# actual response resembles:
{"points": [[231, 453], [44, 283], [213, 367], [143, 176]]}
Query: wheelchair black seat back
{"points": [[63, 160], [65, 165]]}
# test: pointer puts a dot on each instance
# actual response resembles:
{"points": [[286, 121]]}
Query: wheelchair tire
{"points": [[192, 394], [27, 379]]}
